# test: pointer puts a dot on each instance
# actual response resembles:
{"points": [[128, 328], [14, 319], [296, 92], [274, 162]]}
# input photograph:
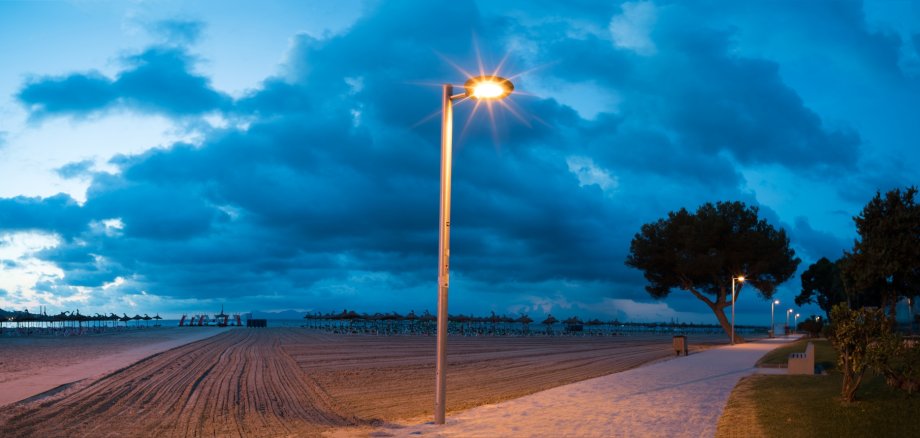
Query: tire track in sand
{"points": [[238, 383]]}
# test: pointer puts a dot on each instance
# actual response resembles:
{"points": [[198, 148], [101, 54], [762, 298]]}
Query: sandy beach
{"points": [[293, 382], [30, 366]]}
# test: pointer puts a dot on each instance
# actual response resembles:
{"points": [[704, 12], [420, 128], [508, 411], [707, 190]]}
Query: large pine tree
{"points": [[700, 253]]}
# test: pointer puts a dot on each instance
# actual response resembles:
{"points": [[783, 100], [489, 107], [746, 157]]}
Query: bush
{"points": [[853, 333], [897, 359], [812, 327]]}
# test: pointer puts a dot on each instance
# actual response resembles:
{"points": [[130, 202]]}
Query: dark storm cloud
{"points": [[157, 80], [59, 213], [816, 243], [702, 95], [333, 179]]}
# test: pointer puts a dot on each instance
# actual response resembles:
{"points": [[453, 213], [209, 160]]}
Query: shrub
{"points": [[897, 359], [812, 327], [853, 333]]}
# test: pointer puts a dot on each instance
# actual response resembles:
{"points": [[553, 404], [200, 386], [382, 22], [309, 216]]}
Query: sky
{"points": [[171, 157]]}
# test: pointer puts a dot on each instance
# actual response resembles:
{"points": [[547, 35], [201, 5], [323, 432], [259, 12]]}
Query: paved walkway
{"points": [[682, 397], [28, 384]]}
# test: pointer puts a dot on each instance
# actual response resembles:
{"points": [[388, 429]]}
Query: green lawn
{"points": [[810, 406]]}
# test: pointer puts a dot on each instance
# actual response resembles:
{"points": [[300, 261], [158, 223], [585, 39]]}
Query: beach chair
{"points": [[803, 363]]}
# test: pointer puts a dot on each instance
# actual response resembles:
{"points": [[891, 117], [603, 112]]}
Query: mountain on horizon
{"points": [[280, 314]]}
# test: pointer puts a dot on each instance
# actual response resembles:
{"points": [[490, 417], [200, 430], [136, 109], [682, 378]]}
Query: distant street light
{"points": [[795, 326], [772, 323], [481, 88], [740, 280], [787, 321]]}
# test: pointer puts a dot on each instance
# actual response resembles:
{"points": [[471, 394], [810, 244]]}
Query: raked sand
{"points": [[43, 376], [681, 397], [295, 382]]}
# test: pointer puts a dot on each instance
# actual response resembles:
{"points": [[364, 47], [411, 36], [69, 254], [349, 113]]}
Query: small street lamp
{"points": [[795, 326], [480, 88], [772, 323], [740, 280], [787, 321]]}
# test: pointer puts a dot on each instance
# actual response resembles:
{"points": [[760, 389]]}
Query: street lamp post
{"points": [[772, 323], [795, 325], [740, 280], [483, 88], [787, 322]]}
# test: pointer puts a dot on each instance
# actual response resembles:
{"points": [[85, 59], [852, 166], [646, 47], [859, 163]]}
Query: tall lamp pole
{"points": [[787, 321], [483, 88], [772, 323], [795, 326], [740, 280]]}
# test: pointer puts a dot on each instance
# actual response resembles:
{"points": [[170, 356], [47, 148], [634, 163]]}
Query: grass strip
{"points": [[810, 406]]}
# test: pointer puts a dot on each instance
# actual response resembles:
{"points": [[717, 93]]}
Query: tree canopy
{"points": [[884, 264], [822, 284], [700, 252]]}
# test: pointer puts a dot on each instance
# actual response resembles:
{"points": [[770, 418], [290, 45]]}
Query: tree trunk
{"points": [[893, 306], [725, 322], [718, 308]]}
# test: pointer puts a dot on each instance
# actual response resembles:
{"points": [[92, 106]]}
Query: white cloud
{"points": [[33, 152], [649, 311], [632, 29], [21, 270], [588, 173], [108, 227]]}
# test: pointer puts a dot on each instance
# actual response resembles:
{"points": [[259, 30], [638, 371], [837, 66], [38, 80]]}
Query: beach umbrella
{"points": [[158, 318], [494, 319], [412, 318], [548, 322], [428, 320], [147, 319], [525, 322], [594, 323]]}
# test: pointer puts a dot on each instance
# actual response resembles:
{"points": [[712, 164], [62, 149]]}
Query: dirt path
{"points": [[291, 382]]}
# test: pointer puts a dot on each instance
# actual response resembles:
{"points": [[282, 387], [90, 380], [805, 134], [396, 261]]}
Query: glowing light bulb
{"points": [[488, 87]]}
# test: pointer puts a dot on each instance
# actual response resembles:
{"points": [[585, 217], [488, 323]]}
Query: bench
{"points": [[803, 363]]}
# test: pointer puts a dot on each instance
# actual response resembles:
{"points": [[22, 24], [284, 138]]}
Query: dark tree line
{"points": [[883, 265], [700, 252]]}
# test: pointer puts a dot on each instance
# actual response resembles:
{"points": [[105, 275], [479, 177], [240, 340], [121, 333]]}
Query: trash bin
{"points": [[680, 344]]}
